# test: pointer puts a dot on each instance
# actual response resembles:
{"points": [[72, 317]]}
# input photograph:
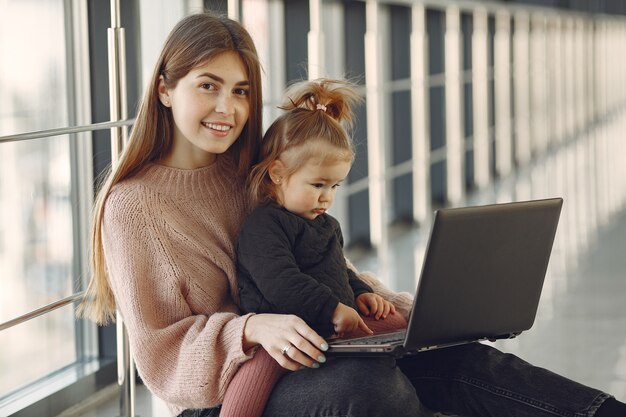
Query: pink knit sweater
{"points": [[169, 238]]}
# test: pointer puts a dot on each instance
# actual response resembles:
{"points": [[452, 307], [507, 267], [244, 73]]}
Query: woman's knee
{"points": [[347, 387]]}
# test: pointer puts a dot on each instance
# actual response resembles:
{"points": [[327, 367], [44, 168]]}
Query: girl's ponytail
{"points": [[336, 98], [315, 111]]}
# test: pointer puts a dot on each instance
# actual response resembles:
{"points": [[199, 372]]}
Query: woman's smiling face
{"points": [[210, 107]]}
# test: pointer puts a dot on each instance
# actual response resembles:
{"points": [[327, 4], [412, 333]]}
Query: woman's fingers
{"points": [[300, 354], [284, 358], [309, 344], [289, 340]]}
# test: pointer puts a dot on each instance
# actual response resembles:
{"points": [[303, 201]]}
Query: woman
{"points": [[163, 253]]}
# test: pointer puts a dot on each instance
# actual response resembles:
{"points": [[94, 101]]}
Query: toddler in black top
{"points": [[292, 265], [290, 251]]}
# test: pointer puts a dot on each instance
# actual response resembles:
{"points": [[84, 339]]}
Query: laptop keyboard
{"points": [[380, 339]]}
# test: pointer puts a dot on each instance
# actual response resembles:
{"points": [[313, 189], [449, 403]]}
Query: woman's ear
{"points": [[276, 171], [164, 94]]}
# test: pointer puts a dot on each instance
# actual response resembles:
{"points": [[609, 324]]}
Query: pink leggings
{"points": [[252, 385]]}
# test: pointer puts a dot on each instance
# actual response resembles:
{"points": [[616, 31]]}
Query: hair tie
{"points": [[320, 107]]}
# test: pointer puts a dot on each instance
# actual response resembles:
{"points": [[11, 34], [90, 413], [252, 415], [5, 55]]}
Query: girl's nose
{"points": [[325, 196]]}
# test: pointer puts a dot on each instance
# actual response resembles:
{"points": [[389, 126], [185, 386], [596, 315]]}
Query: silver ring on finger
{"points": [[286, 349]]}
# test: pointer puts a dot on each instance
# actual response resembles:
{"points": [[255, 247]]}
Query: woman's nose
{"points": [[225, 104]]}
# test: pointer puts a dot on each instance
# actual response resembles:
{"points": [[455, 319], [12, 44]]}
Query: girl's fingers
{"points": [[386, 309], [362, 306], [392, 308], [364, 327], [374, 305]]}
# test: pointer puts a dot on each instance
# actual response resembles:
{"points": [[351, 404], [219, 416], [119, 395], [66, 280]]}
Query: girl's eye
{"points": [[241, 92], [208, 86], [317, 185], [336, 185]]}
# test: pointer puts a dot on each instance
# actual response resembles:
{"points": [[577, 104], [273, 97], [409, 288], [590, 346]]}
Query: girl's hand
{"points": [[346, 319], [373, 305], [287, 338]]}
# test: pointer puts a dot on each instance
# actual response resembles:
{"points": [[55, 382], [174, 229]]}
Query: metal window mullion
{"points": [[81, 160], [234, 10], [589, 65], [570, 79], [119, 136], [538, 91], [622, 57], [600, 116], [375, 121], [480, 92], [610, 72], [521, 48], [502, 75], [579, 79], [598, 70], [454, 115], [420, 128], [335, 66], [556, 82], [315, 40]]}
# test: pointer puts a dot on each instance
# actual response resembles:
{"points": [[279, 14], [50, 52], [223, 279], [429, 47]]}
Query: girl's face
{"points": [[210, 107], [310, 191]]}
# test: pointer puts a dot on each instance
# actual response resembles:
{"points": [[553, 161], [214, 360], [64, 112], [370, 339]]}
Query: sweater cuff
{"points": [[235, 333]]}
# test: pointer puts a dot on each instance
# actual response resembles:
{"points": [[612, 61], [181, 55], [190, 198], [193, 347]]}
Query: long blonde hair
{"points": [[316, 110], [195, 40]]}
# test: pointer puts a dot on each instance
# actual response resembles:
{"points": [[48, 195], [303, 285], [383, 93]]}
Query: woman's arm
{"points": [[184, 357]]}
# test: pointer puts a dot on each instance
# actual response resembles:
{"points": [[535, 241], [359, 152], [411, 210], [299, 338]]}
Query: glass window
{"points": [[36, 232]]}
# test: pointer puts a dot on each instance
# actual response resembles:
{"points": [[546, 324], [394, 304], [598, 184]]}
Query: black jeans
{"points": [[205, 412], [473, 380]]}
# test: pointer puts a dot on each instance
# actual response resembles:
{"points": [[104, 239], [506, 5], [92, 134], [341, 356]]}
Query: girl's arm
{"points": [[403, 301]]}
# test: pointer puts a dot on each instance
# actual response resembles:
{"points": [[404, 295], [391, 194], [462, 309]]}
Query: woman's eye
{"points": [[207, 86], [241, 92]]}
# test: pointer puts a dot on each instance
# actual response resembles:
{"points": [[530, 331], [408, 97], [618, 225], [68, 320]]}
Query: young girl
{"points": [[290, 251], [163, 253]]}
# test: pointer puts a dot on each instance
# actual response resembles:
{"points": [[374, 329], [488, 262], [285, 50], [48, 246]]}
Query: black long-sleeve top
{"points": [[290, 265]]}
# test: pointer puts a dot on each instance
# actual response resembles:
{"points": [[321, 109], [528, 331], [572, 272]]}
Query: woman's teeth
{"points": [[221, 128]]}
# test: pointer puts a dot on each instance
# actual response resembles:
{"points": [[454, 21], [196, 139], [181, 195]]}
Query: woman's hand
{"points": [[346, 319], [287, 338], [373, 305]]}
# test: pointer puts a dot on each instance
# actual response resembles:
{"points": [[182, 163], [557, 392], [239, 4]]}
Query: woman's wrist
{"points": [[249, 340]]}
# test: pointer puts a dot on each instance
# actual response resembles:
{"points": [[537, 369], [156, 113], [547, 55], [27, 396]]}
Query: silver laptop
{"points": [[481, 279]]}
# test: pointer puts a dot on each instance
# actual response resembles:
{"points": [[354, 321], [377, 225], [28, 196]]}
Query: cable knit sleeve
{"points": [[185, 358]]}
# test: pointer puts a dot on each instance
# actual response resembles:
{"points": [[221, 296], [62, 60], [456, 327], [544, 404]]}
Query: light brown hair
{"points": [[194, 41], [316, 111]]}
